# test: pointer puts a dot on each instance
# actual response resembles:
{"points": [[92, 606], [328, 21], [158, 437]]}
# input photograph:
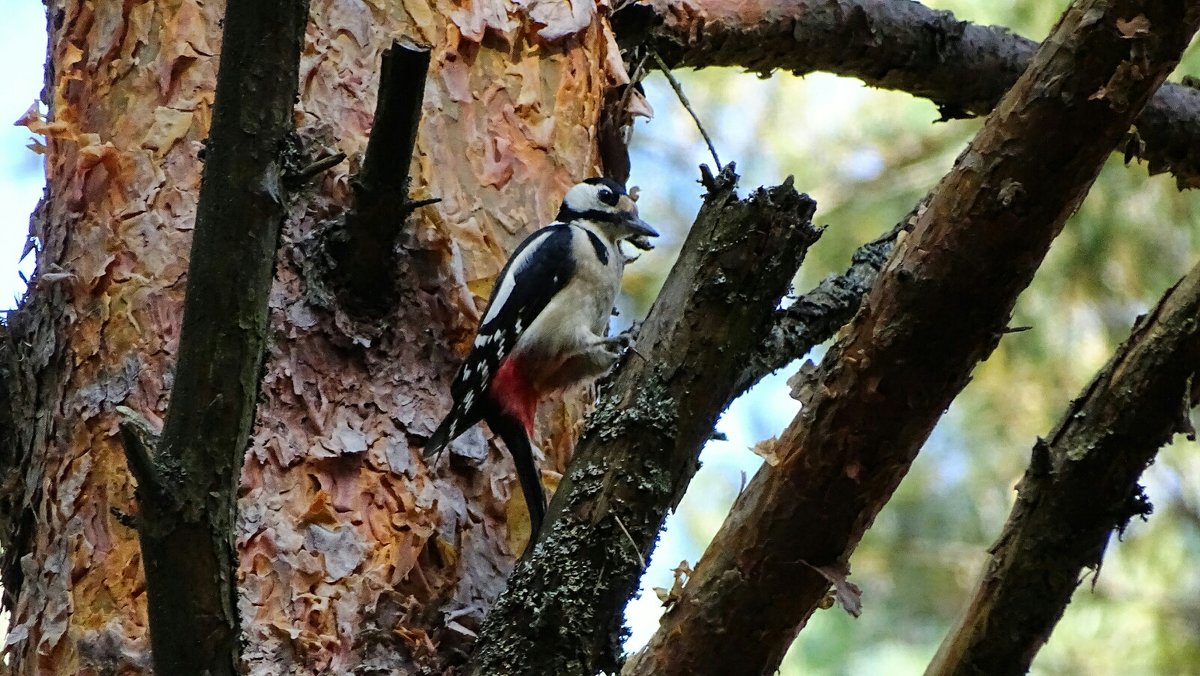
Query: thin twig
{"points": [[410, 207], [632, 542], [316, 167], [687, 105], [635, 77]]}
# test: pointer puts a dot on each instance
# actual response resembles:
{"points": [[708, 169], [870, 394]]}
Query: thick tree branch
{"points": [[561, 611], [939, 307], [365, 254], [1080, 487], [963, 67], [187, 542]]}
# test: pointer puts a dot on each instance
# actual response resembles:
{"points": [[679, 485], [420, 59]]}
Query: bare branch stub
{"points": [[141, 445], [365, 251], [316, 166]]}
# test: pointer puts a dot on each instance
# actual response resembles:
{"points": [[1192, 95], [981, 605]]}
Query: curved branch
{"points": [[964, 68], [938, 308], [1081, 486]]}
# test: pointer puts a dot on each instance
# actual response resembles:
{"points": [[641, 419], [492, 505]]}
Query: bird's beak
{"points": [[639, 227]]}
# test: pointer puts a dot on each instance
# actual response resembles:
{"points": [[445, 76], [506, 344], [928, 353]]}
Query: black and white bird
{"points": [[545, 324]]}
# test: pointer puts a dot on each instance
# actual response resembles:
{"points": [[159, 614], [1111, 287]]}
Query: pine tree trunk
{"points": [[354, 553]]}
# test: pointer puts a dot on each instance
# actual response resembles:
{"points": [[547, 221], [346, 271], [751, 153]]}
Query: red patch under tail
{"points": [[514, 393]]}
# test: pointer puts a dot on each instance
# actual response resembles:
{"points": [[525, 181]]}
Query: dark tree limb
{"points": [[940, 305], [1081, 487], [561, 611], [157, 488], [187, 539], [365, 253], [816, 316], [964, 68]]}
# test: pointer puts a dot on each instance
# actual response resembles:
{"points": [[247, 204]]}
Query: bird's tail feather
{"points": [[457, 422], [512, 432]]}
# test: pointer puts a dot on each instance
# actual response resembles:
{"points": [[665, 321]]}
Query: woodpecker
{"points": [[545, 324]]}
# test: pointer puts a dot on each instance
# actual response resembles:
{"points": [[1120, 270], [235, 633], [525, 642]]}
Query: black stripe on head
{"points": [[597, 246], [567, 215], [610, 192], [581, 201], [606, 182]]}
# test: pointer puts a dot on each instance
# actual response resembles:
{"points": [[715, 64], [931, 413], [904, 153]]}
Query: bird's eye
{"points": [[608, 197]]}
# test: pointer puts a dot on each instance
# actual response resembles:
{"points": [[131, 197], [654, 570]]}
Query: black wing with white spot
{"points": [[539, 268]]}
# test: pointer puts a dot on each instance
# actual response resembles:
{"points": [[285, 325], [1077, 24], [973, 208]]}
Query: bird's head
{"points": [[604, 202]]}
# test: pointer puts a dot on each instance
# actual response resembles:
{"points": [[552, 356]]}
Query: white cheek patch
{"points": [[510, 279], [584, 197]]}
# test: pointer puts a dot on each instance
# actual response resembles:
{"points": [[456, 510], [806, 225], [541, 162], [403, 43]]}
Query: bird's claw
{"points": [[619, 343]]}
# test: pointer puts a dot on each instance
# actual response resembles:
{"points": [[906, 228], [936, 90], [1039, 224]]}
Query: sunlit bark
{"points": [[352, 550]]}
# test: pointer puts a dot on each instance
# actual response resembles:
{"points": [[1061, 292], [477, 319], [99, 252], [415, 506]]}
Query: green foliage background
{"points": [[867, 156]]}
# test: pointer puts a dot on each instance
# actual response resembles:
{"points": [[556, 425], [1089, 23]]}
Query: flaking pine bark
{"points": [[352, 552]]}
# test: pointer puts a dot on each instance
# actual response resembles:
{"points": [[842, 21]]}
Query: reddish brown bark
{"points": [[352, 551], [939, 306]]}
